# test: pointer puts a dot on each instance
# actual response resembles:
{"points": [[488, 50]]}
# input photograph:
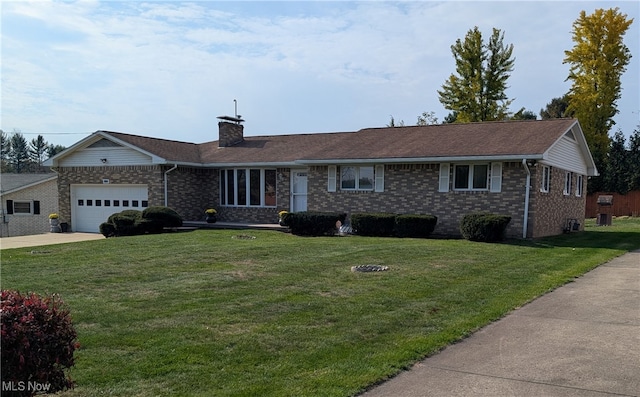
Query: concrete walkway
{"points": [[46, 239], [582, 339]]}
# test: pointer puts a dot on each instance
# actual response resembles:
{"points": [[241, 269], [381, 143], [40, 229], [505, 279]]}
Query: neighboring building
{"points": [[534, 171], [27, 200]]}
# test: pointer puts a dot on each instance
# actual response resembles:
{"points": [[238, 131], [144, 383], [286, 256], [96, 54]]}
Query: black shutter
{"points": [[36, 207], [9, 206]]}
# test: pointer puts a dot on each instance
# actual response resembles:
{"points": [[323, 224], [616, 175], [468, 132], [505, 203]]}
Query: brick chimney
{"points": [[230, 131]]}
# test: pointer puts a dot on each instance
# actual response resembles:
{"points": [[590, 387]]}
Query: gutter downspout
{"points": [[166, 184], [526, 199]]}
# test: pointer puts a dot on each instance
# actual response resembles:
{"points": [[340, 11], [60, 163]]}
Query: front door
{"points": [[298, 190]]}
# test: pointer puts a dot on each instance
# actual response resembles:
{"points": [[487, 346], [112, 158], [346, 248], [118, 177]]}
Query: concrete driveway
{"points": [[582, 339], [46, 239]]}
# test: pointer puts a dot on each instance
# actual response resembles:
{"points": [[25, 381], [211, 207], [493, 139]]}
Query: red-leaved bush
{"points": [[38, 342]]}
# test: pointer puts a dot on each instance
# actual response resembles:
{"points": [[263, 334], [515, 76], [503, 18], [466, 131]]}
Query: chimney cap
{"points": [[236, 120]]}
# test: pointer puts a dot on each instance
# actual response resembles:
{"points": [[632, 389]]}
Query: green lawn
{"points": [[208, 313]]}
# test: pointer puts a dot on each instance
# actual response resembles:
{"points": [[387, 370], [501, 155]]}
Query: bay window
{"points": [[251, 187]]}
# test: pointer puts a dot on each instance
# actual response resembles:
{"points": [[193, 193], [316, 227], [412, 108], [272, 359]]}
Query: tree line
{"points": [[17, 155], [477, 91]]}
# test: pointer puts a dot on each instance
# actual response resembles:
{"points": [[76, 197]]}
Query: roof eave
{"points": [[410, 160]]}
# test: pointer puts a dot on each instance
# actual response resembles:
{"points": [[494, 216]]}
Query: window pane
{"points": [[242, 186], [107, 203], [254, 187], [366, 178], [125, 203], [270, 188], [80, 202], [98, 203], [461, 177], [480, 176], [89, 202], [116, 203], [134, 203], [21, 207], [231, 190], [347, 177], [145, 203], [223, 186]]}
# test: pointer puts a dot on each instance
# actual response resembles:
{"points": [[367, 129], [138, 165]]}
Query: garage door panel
{"points": [[93, 204]]}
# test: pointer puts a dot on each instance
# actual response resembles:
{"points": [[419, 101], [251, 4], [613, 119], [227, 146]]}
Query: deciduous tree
{"points": [[477, 91], [596, 62]]}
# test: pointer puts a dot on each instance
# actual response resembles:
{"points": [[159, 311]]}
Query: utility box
{"points": [[605, 210]]}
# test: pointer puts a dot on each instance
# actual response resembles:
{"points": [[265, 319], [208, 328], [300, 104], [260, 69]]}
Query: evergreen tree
{"points": [[616, 175], [556, 109], [634, 160], [38, 151], [477, 92], [19, 153], [5, 149]]}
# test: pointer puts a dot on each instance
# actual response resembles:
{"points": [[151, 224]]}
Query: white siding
{"points": [[114, 156], [565, 154]]}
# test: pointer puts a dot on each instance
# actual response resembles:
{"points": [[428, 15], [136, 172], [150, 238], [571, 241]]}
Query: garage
{"points": [[91, 205]]}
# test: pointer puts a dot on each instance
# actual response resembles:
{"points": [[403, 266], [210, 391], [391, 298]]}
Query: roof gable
{"points": [[10, 183], [501, 140]]}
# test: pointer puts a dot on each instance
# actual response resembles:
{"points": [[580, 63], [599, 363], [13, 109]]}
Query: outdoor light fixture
{"points": [[103, 160]]}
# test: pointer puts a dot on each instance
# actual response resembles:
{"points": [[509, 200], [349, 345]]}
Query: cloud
{"points": [[167, 69]]}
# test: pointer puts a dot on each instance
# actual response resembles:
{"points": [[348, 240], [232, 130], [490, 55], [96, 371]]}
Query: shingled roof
{"points": [[500, 140]]}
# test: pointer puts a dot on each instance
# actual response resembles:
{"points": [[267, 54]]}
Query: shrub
{"points": [[373, 224], [484, 227], [165, 215], [314, 223], [107, 229], [38, 342], [415, 225], [133, 222]]}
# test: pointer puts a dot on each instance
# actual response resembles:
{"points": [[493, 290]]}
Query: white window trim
{"points": [[247, 188], [470, 178], [579, 185], [545, 183], [30, 202], [568, 181], [443, 180], [357, 179]]}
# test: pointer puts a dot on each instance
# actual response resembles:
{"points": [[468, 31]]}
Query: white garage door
{"points": [[91, 205]]}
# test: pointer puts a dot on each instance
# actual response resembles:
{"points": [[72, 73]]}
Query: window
{"points": [[545, 183], [107, 203], [357, 178], [567, 183], [471, 177], [579, 186], [116, 203], [23, 207], [248, 187], [98, 203]]}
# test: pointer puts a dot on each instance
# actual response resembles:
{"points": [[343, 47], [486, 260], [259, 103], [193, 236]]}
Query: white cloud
{"points": [[167, 69]]}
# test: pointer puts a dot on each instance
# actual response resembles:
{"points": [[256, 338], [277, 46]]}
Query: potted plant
{"points": [[54, 222], [282, 215], [210, 214]]}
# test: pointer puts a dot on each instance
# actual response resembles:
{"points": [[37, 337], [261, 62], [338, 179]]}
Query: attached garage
{"points": [[91, 205]]}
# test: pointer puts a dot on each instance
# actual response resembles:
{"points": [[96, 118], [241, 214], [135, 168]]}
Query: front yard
{"points": [[248, 313]]}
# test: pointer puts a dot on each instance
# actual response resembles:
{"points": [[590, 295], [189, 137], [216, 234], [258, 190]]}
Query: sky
{"points": [[168, 69]]}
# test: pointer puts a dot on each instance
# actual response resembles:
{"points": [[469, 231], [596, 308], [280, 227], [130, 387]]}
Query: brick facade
{"points": [[408, 189], [413, 189], [151, 176], [549, 211], [28, 224]]}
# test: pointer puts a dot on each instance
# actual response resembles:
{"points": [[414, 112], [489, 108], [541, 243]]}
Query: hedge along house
{"points": [[534, 171]]}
